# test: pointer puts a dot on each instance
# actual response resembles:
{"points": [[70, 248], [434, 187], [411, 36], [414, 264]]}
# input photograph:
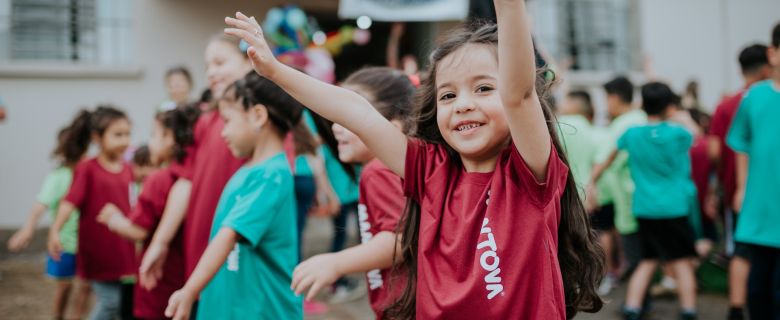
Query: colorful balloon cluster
{"points": [[297, 41]]}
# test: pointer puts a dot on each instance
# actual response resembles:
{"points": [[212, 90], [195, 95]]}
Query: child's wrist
{"points": [[117, 221]]}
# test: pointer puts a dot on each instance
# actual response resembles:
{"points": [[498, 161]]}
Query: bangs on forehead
{"points": [[465, 57]]}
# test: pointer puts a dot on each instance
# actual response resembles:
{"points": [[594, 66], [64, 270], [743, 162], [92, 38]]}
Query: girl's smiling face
{"points": [[224, 65], [469, 112]]}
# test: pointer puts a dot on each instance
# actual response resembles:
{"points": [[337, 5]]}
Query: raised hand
{"points": [[260, 55]]}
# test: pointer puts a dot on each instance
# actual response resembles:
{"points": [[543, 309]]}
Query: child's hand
{"points": [[180, 305], [591, 198], [20, 239], [260, 55], [107, 212], [53, 245], [314, 274], [152, 263], [739, 197]]}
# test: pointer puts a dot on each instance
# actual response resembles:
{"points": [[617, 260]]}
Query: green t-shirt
{"points": [[54, 188], [579, 141], [254, 282], [617, 178], [661, 169], [755, 132]]}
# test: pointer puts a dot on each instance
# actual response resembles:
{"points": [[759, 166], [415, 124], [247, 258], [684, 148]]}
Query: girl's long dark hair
{"points": [[181, 121], [73, 141], [580, 258]]}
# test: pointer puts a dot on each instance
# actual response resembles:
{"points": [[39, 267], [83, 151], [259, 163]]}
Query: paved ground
{"points": [[26, 294]]}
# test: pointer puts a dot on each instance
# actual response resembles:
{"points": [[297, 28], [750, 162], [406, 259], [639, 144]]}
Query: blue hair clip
{"points": [[243, 46]]}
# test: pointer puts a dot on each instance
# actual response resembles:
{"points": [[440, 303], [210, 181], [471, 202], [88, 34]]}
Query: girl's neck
{"points": [[110, 162], [487, 162], [266, 148]]}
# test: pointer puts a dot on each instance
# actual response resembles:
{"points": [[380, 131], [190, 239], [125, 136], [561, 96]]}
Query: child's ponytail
{"points": [[73, 141], [180, 121]]}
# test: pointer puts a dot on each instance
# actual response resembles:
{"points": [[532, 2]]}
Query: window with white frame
{"points": [[597, 35], [93, 32]]}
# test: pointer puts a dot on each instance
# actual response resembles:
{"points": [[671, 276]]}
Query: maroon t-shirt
{"points": [[488, 242], [209, 171], [700, 169], [719, 127], [102, 254], [380, 205], [147, 213]]}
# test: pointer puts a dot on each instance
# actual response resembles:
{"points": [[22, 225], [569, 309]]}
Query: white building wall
{"points": [[167, 33]]}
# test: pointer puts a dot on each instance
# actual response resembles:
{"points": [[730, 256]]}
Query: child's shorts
{"points": [[63, 269], [666, 239]]}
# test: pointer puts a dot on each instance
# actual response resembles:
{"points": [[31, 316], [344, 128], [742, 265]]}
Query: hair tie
{"points": [[243, 46]]}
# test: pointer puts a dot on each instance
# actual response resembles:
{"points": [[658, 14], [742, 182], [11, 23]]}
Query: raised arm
{"points": [[339, 105], [517, 86]]}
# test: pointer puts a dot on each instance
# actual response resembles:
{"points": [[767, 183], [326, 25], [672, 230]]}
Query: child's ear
{"points": [[95, 138], [258, 116]]}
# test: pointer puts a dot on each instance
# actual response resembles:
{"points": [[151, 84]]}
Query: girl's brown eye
{"points": [[447, 96]]}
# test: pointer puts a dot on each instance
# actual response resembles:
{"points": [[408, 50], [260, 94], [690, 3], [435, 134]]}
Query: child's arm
{"points": [[599, 169], [22, 238], [517, 86], [742, 172], [180, 303], [324, 269], [173, 215], [325, 194], [339, 105], [53, 244], [113, 218]]}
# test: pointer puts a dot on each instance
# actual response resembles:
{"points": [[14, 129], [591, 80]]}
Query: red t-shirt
{"points": [[147, 213], [488, 242], [700, 169], [209, 171], [102, 254], [380, 205], [719, 127]]}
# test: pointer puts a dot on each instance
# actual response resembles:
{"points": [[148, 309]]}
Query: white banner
{"points": [[405, 10]]}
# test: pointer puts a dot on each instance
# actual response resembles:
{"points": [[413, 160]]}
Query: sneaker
{"points": [[606, 285], [632, 314], [347, 293], [313, 308]]}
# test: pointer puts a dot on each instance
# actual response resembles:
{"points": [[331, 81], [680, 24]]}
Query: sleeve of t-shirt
{"points": [[739, 137], [255, 208], [719, 125], [148, 209], [50, 192], [541, 192], [384, 199], [622, 142], [81, 183], [686, 138]]}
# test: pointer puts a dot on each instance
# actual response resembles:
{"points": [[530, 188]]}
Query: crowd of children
{"points": [[476, 195]]}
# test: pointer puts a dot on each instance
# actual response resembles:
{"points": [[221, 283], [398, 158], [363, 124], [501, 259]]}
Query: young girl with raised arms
{"points": [[499, 230], [381, 199], [171, 135], [104, 258]]}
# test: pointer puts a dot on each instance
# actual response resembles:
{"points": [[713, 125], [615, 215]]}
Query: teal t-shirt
{"points": [[755, 131], [661, 169], [616, 180], [54, 188], [344, 186], [258, 202], [580, 144]]}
